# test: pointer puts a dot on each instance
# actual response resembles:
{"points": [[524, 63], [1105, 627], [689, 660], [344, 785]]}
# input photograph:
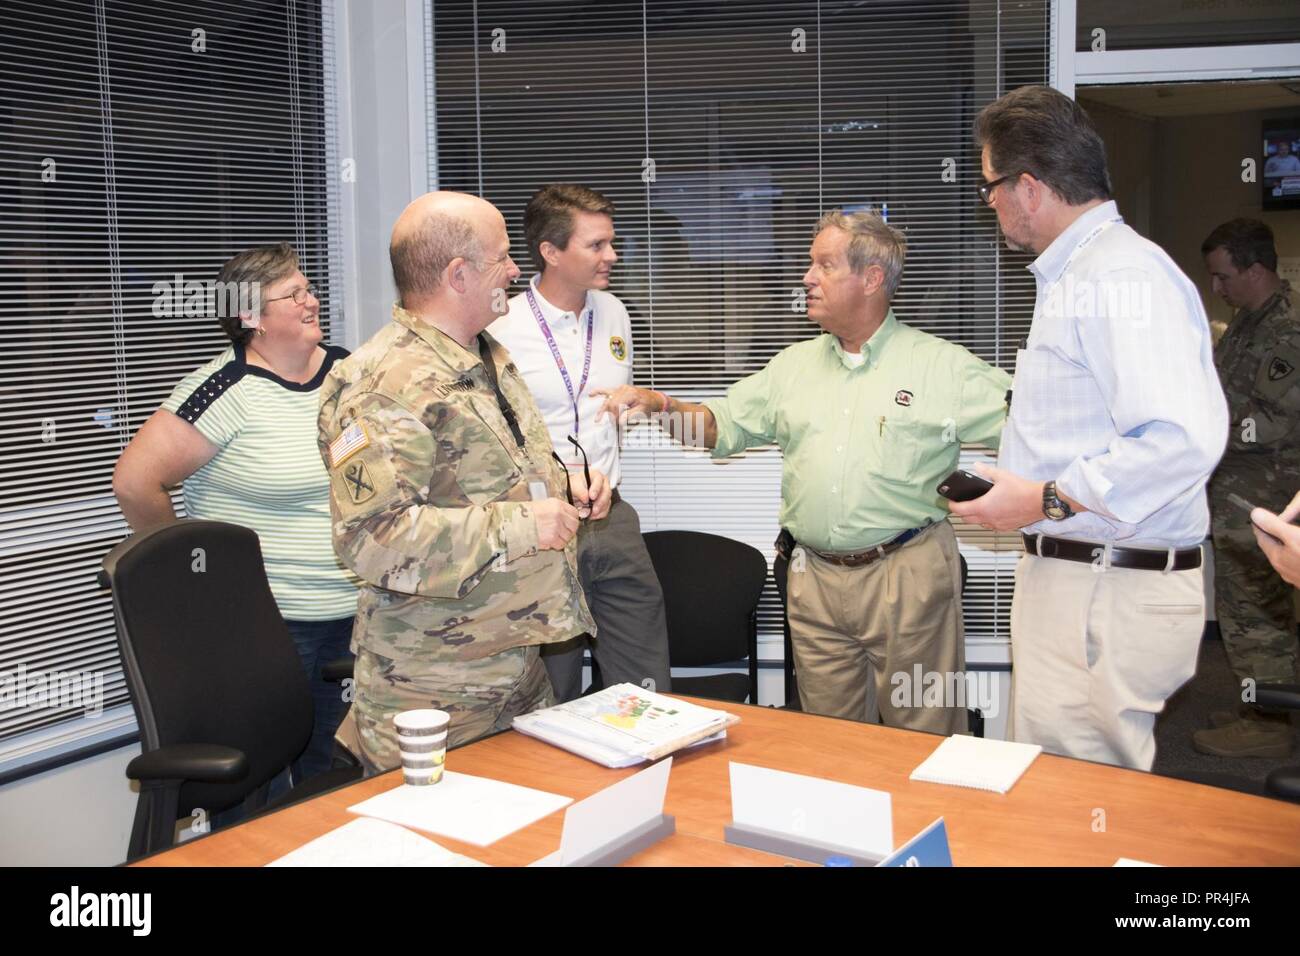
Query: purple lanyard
{"points": [[559, 360]]}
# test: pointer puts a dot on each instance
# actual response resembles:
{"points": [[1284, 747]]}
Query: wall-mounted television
{"points": [[1281, 167]]}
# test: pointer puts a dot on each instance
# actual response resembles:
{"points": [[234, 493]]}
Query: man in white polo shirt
{"points": [[567, 336]]}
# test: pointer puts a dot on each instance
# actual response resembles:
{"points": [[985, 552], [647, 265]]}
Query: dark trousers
{"points": [[625, 598], [318, 643]]}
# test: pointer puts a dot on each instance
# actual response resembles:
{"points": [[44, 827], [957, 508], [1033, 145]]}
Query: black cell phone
{"points": [[1247, 507], [964, 486]]}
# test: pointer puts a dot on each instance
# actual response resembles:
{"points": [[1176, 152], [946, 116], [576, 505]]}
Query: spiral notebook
{"points": [[962, 761]]}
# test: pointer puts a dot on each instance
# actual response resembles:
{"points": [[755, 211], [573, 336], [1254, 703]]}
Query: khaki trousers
{"points": [[850, 626], [1095, 653]]}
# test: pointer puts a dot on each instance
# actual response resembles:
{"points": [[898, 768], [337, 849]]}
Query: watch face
{"points": [[1055, 512]]}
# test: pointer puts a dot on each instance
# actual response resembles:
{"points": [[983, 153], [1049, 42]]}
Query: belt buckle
{"points": [[1047, 547]]}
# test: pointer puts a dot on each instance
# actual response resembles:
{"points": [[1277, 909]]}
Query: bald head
{"points": [[433, 232]]}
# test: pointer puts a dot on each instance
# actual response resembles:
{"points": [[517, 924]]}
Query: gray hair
{"points": [[872, 242], [420, 258]]}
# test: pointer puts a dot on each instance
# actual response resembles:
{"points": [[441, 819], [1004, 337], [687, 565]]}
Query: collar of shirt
{"points": [[553, 314], [1051, 263], [1283, 293], [872, 349], [448, 349]]}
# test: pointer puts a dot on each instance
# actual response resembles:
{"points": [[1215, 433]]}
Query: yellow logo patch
{"points": [[356, 479], [617, 347]]}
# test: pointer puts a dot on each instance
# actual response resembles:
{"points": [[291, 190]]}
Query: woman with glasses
{"points": [[239, 436]]}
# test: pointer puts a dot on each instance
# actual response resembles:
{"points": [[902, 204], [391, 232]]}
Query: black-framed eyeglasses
{"points": [[299, 296], [986, 189], [586, 469]]}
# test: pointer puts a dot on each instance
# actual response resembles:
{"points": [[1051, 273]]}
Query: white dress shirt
{"points": [[1116, 396], [611, 366]]}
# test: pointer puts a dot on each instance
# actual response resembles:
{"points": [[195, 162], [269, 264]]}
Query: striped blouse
{"points": [[268, 476]]}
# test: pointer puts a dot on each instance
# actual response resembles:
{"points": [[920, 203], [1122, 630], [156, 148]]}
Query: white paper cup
{"points": [[421, 723], [422, 742]]}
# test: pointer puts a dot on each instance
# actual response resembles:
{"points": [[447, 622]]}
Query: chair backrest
{"points": [[206, 654], [711, 587]]}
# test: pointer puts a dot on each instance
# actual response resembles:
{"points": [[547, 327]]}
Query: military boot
{"points": [[1252, 734]]}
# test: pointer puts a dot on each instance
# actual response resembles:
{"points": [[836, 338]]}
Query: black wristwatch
{"points": [[1053, 505]]}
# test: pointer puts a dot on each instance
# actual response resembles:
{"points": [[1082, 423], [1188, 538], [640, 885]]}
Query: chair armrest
{"points": [[335, 672], [203, 763], [1278, 696]]}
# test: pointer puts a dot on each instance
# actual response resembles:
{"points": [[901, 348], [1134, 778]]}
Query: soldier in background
{"points": [[446, 498], [1258, 360]]}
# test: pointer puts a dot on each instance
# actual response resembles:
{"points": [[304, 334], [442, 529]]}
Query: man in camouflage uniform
{"points": [[445, 497], [1258, 360]]}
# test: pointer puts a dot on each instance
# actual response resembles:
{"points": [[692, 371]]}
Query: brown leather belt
{"points": [[859, 558], [1088, 552]]}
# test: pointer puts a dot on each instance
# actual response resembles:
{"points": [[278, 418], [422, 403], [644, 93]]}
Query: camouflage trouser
{"points": [[481, 696], [1254, 607]]}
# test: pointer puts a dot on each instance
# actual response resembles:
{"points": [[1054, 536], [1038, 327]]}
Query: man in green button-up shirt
{"points": [[870, 418]]}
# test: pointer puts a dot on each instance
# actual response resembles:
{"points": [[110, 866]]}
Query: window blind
{"points": [[722, 130], [141, 145]]}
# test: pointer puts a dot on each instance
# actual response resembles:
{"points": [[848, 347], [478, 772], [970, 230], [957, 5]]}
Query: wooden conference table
{"points": [[1061, 812]]}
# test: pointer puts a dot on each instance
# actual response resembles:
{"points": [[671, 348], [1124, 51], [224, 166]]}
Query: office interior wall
{"points": [[1176, 178], [78, 815]]}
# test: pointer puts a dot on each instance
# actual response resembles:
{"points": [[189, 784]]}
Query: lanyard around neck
{"points": [[559, 359]]}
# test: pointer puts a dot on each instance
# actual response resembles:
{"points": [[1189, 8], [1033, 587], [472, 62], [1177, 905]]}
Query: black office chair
{"points": [[217, 685], [780, 573], [711, 589], [1283, 782]]}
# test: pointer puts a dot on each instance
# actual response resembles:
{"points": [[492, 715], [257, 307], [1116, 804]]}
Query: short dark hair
{"points": [[549, 216], [253, 268], [1248, 241], [1042, 132], [421, 256]]}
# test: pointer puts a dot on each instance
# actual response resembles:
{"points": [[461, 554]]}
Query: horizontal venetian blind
{"points": [[141, 145], [721, 131]]}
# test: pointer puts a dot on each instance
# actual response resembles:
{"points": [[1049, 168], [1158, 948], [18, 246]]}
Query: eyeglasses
{"points": [[586, 468], [299, 296], [986, 189]]}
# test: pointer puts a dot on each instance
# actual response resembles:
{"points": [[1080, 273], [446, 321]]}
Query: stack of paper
{"points": [[477, 810], [962, 761], [625, 725], [368, 842]]}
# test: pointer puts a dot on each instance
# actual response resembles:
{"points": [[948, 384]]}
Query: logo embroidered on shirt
{"points": [[350, 441], [1279, 370], [903, 397], [617, 347]]}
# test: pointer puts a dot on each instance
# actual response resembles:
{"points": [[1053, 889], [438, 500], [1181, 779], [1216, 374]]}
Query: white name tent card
{"points": [[473, 809], [808, 818], [613, 824]]}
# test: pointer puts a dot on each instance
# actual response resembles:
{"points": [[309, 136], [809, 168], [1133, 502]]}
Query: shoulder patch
{"points": [[1277, 373], [350, 441], [357, 481]]}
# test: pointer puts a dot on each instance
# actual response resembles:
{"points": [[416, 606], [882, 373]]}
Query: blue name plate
{"points": [[927, 848]]}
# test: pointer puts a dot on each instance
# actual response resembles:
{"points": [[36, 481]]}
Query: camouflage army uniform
{"points": [[431, 506], [1258, 360]]}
